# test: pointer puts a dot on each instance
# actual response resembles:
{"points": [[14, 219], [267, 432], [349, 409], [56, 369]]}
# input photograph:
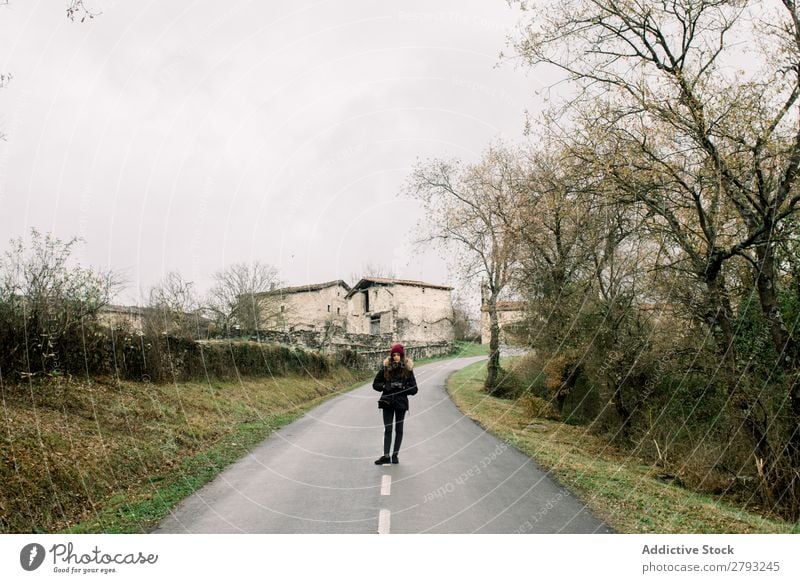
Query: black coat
{"points": [[396, 383]]}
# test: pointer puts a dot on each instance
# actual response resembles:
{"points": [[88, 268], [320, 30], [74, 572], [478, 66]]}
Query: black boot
{"points": [[384, 459], [395, 459]]}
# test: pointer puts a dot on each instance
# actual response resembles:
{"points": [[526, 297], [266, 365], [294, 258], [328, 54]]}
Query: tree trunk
{"points": [[793, 446], [742, 406], [785, 345], [493, 368], [720, 321], [623, 412], [788, 487]]}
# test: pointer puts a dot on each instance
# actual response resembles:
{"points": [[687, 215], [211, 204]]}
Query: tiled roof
{"points": [[306, 288], [390, 281], [507, 306]]}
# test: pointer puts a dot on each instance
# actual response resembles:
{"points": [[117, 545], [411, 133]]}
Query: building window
{"points": [[282, 308], [329, 307], [375, 325], [366, 301], [337, 311]]}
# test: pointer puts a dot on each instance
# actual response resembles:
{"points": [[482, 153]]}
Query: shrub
{"points": [[349, 358], [508, 385], [538, 408]]}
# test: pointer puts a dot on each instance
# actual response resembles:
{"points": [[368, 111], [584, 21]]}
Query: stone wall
{"points": [[371, 349], [337, 339], [373, 359]]}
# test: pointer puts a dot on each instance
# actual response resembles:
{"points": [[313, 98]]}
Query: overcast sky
{"points": [[190, 135]]}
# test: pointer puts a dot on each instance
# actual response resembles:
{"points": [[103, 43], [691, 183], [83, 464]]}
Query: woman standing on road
{"points": [[395, 380]]}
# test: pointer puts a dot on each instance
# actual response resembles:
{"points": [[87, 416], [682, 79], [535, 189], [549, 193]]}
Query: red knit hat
{"points": [[398, 348]]}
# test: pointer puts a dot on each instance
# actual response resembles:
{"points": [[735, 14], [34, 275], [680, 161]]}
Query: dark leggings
{"points": [[398, 415]]}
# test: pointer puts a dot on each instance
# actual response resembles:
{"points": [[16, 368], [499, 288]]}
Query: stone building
{"points": [[314, 307], [509, 315], [410, 311], [391, 309], [145, 319], [115, 316]]}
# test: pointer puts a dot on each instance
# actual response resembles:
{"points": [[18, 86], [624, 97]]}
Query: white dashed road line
{"points": [[386, 485], [383, 521]]}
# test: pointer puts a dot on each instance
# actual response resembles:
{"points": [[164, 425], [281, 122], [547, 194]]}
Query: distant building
{"points": [[146, 319], [408, 310], [509, 314], [399, 310], [122, 316], [310, 307]]}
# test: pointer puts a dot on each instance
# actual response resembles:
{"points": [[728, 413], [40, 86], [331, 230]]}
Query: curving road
{"points": [[317, 476]]}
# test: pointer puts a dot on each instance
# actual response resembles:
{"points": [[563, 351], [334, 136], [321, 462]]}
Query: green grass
{"points": [[141, 509], [619, 489], [467, 349], [115, 457], [106, 456], [461, 350]]}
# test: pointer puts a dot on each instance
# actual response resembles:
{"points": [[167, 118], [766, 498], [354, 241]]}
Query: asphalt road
{"points": [[317, 476]]}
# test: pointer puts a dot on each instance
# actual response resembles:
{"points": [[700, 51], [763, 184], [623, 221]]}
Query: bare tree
{"points": [[172, 307], [238, 296], [77, 9], [372, 270], [714, 156], [553, 224], [42, 272], [466, 326], [47, 298], [575, 265], [472, 212]]}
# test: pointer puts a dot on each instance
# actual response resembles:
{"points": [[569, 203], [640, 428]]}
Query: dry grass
{"points": [[620, 489], [108, 456]]}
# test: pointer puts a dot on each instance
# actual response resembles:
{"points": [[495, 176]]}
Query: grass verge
{"points": [[460, 350], [621, 490], [114, 457]]}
